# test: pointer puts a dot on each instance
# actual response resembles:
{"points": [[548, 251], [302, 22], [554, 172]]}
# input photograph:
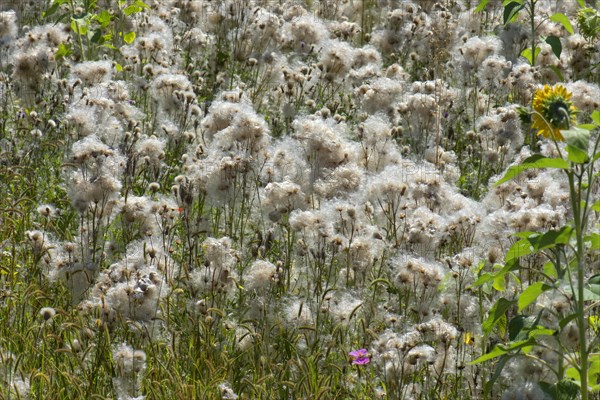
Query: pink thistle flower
{"points": [[360, 357]]}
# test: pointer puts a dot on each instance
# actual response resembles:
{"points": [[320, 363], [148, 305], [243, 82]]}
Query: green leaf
{"points": [[530, 294], [577, 137], [525, 234], [506, 2], [550, 270], [79, 26], [596, 117], [499, 283], [594, 284], [516, 325], [555, 44], [541, 331], [577, 140], [481, 6], [527, 54], [563, 20], [573, 374], [587, 127], [97, 37], [118, 67], [535, 161], [552, 238], [484, 278], [520, 249], [142, 4], [588, 295], [576, 155], [103, 18], [565, 321], [63, 51], [497, 351], [129, 37], [563, 390], [132, 9], [497, 311], [594, 240], [52, 9], [511, 10]]}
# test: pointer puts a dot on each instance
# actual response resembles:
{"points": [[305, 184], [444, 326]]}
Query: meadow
{"points": [[300, 199]]}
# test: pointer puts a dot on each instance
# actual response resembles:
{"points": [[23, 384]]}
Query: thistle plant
{"points": [[571, 332]]}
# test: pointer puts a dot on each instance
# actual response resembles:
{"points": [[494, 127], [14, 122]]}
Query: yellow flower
{"points": [[553, 111]]}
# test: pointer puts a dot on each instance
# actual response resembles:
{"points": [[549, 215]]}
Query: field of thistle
{"points": [[300, 199]]}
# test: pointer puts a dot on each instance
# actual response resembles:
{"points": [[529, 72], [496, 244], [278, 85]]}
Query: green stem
{"points": [[580, 303], [532, 21]]}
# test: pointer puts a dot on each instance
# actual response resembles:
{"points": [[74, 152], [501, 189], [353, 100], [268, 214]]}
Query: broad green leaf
{"points": [[79, 26], [52, 9], [564, 322], [484, 278], [588, 295], [541, 331], [530, 294], [572, 374], [581, 3], [497, 351], [563, 20], [552, 238], [129, 37], [502, 326], [103, 18], [97, 37], [577, 140], [499, 283], [520, 344], [587, 127], [528, 55], [594, 240], [555, 44], [511, 10], [497, 311], [577, 137], [525, 234], [118, 67], [488, 277], [132, 9], [481, 6], [142, 4], [550, 270], [63, 51], [505, 2], [516, 325], [594, 321], [519, 249], [594, 285], [596, 117], [535, 161], [563, 390]]}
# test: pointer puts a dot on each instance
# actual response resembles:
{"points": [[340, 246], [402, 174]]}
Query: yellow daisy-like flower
{"points": [[553, 111]]}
